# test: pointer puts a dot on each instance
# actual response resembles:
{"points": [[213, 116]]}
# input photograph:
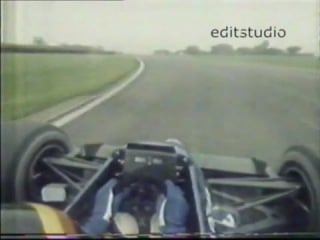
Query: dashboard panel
{"points": [[150, 164]]}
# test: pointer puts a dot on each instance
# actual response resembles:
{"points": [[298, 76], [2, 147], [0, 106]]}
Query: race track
{"points": [[232, 109]]}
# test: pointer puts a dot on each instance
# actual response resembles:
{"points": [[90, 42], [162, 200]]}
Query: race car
{"points": [[48, 185]]}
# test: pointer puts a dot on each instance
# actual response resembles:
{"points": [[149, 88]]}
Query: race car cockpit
{"points": [[51, 184], [144, 168]]}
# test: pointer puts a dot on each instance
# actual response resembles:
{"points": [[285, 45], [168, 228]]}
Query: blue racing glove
{"points": [[175, 211], [105, 205]]}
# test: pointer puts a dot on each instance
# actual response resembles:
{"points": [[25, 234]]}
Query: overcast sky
{"points": [[141, 26]]}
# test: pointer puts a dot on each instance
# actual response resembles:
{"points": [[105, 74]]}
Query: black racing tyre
{"points": [[23, 146], [301, 164]]}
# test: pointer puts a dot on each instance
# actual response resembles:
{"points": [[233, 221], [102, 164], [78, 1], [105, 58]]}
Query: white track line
{"points": [[78, 112]]}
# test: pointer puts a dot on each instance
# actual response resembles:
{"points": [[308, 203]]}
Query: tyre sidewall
{"points": [[26, 159], [308, 164], [24, 144]]}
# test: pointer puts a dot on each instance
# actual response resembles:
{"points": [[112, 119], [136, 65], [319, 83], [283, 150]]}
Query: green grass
{"points": [[306, 62], [33, 82]]}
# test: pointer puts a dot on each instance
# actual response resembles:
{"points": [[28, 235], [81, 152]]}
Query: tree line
{"points": [[227, 49], [39, 45]]}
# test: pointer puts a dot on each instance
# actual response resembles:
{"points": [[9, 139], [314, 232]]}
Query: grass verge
{"points": [[306, 62], [33, 82]]}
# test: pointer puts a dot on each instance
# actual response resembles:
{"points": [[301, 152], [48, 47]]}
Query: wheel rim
{"points": [[39, 174], [304, 198]]}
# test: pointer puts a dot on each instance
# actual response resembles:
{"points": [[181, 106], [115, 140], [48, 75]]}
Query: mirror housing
{"points": [[54, 192]]}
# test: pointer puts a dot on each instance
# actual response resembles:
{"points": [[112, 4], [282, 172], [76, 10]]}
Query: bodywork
{"points": [[246, 187]]}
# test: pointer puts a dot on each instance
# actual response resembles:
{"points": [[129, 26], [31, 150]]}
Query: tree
{"points": [[244, 50], [293, 50], [222, 48], [192, 50], [274, 51], [263, 45], [39, 41], [162, 52], [261, 48], [99, 48]]}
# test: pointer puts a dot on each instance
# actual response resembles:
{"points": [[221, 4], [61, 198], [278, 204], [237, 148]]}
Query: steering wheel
{"points": [[141, 202], [141, 184], [145, 190]]}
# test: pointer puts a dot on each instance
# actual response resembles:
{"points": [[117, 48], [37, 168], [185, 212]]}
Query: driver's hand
{"points": [[105, 205], [120, 162], [175, 211]]}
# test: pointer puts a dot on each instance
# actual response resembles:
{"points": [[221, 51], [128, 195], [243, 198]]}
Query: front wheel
{"points": [[303, 166], [24, 145]]}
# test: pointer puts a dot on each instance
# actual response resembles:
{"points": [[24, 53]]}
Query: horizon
{"points": [[142, 27]]}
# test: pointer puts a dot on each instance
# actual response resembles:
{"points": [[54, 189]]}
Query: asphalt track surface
{"points": [[234, 109]]}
